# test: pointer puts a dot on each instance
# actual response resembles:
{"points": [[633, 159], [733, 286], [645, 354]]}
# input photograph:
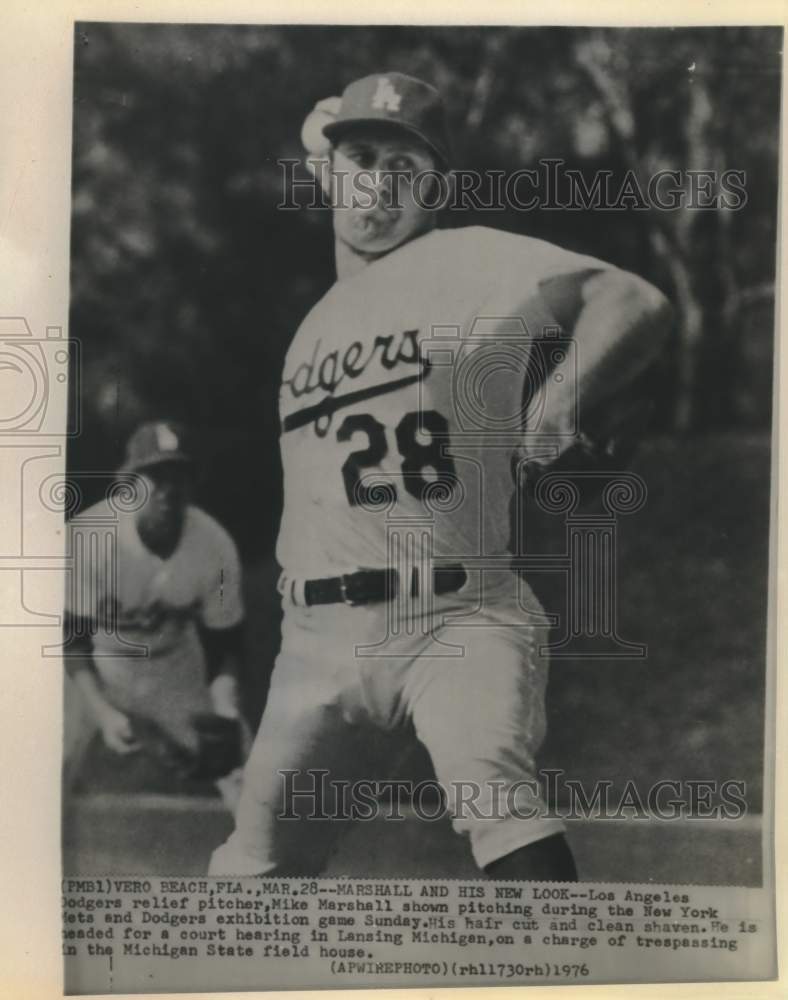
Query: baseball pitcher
{"points": [[443, 367]]}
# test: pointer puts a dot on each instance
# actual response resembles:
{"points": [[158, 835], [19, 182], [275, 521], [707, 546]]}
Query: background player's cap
{"points": [[154, 443], [398, 100]]}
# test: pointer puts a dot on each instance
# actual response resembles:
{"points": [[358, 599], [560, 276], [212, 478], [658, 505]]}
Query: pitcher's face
{"points": [[378, 201]]}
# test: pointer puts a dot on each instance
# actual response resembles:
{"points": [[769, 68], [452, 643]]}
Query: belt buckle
{"points": [[351, 603]]}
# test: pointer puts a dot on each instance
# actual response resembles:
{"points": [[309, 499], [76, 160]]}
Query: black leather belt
{"points": [[373, 585]]}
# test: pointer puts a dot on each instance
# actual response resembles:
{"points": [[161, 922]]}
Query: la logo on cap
{"points": [[386, 97], [165, 438]]}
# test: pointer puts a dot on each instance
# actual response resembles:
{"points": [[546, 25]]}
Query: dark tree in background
{"points": [[188, 282]]}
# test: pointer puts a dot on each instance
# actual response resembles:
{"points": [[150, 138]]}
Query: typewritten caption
{"points": [[123, 934]]}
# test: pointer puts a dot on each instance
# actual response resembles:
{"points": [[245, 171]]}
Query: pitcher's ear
{"points": [[323, 113]]}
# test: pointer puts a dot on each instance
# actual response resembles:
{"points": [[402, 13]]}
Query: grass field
{"points": [[693, 587], [110, 834], [693, 582]]}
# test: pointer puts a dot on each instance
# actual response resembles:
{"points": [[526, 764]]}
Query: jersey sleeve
{"points": [[521, 263], [222, 601], [519, 320]]}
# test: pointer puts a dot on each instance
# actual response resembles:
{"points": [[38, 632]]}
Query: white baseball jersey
{"points": [[403, 397], [158, 604], [402, 404]]}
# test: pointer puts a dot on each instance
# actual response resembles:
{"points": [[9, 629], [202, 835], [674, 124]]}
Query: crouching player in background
{"points": [[153, 635]]}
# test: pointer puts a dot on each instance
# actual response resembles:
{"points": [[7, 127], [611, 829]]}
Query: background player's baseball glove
{"points": [[219, 747]]}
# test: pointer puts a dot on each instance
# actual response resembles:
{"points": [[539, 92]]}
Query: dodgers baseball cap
{"points": [[154, 443], [398, 100]]}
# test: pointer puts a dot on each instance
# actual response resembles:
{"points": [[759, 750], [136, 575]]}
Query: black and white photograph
{"points": [[418, 505]]}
